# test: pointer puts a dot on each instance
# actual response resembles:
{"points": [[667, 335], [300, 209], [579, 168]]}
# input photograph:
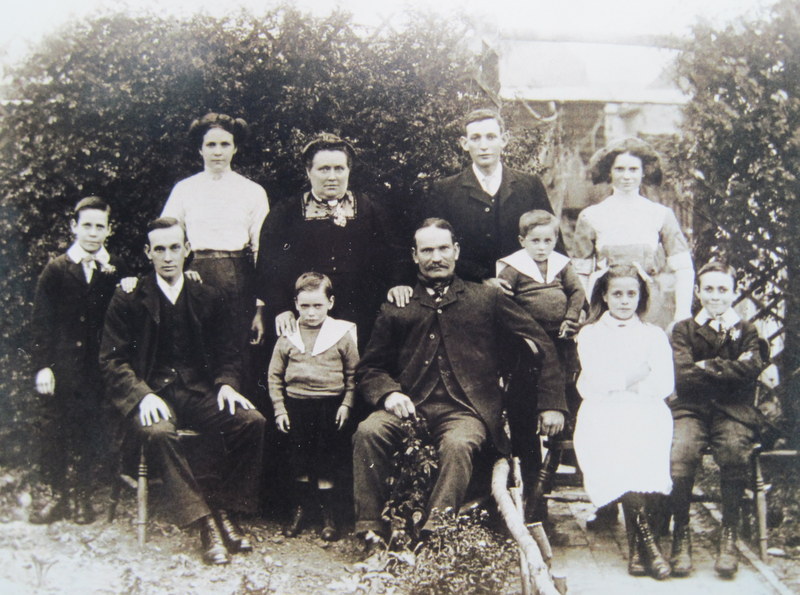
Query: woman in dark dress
{"points": [[331, 230]]}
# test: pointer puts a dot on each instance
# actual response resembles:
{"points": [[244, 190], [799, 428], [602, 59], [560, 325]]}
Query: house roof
{"points": [[587, 71]]}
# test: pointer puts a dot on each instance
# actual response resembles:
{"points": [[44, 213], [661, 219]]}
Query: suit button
{"points": [[83, 318], [488, 209], [427, 362], [488, 235], [439, 311], [431, 336], [79, 343]]}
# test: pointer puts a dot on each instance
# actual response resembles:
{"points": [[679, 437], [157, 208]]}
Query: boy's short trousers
{"points": [[731, 443]]}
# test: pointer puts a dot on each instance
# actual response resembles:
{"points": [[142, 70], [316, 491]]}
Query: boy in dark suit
{"points": [[717, 361], [72, 295]]}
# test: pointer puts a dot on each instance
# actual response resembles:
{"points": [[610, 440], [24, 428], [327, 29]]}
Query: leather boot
{"points": [[302, 497], [656, 563], [213, 545], [728, 556], [635, 562], [235, 540], [83, 513], [329, 530], [681, 556], [54, 508]]}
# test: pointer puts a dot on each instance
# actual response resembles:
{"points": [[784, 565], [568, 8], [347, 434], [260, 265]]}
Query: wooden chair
{"points": [[139, 482]]}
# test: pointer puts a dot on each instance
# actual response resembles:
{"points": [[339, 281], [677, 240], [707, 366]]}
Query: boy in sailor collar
{"points": [[545, 284], [312, 389]]}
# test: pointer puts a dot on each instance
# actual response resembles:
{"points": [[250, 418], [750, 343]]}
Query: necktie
{"points": [[89, 266]]}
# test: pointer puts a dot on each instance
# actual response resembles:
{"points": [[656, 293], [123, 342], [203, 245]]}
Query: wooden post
{"points": [[539, 572]]}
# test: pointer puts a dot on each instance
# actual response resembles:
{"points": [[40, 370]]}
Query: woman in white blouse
{"points": [[627, 227], [223, 212]]}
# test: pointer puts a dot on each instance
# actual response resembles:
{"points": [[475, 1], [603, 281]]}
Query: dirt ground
{"points": [[104, 558]]}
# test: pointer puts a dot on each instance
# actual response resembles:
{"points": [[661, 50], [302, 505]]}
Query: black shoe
{"points": [[603, 518], [294, 528], [728, 556], [636, 565], [214, 552], [235, 540], [372, 544], [329, 530], [681, 557], [53, 509], [656, 563], [83, 513]]}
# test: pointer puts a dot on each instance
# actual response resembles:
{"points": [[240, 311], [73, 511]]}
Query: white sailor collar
{"points": [[729, 319], [522, 262], [329, 334]]}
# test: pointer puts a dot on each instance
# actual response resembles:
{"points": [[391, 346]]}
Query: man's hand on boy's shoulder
{"points": [[45, 382], [400, 295], [128, 284]]}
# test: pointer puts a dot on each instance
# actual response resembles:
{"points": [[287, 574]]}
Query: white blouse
{"points": [[222, 213]]}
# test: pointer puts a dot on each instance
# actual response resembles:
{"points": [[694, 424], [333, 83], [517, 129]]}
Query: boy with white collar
{"points": [[545, 284], [72, 295], [312, 390], [717, 361]]}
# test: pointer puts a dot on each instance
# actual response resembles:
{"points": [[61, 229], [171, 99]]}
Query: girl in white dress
{"points": [[623, 432]]}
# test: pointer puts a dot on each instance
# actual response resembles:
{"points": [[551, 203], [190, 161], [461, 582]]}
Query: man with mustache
{"points": [[440, 355]]}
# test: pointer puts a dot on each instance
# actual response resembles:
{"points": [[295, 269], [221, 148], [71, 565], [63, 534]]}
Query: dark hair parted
{"points": [[603, 160], [325, 141], [716, 266], [90, 202], [236, 126], [479, 115], [163, 223], [537, 218], [313, 281], [597, 303], [438, 223]]}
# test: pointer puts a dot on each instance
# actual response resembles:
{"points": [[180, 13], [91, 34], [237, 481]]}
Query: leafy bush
{"points": [[740, 153], [102, 107], [414, 467], [463, 556]]}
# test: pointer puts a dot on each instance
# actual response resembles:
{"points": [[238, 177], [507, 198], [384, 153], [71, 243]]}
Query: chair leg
{"points": [[141, 498], [114, 499], [760, 497], [544, 481]]}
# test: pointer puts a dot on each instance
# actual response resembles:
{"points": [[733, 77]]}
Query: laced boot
{"points": [[728, 556], [635, 562], [83, 513], [329, 530], [235, 539], [213, 545], [53, 508], [656, 563], [681, 556], [299, 513]]}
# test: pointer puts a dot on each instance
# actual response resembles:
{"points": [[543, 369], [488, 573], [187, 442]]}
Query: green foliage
{"points": [[103, 106], [463, 556], [414, 467], [741, 152]]}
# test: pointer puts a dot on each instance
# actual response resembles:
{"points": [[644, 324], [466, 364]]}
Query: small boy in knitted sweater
{"points": [[312, 389]]}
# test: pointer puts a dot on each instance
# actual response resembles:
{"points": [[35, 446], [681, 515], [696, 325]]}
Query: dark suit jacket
{"points": [[728, 383], [68, 321], [130, 338], [474, 321], [487, 227]]}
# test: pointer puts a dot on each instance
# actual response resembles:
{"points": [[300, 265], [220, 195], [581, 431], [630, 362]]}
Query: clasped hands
{"points": [[153, 408]]}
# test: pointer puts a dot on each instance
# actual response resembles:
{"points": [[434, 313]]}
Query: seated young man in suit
{"points": [[169, 360]]}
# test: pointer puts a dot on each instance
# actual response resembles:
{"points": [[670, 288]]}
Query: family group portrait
{"points": [[471, 299]]}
